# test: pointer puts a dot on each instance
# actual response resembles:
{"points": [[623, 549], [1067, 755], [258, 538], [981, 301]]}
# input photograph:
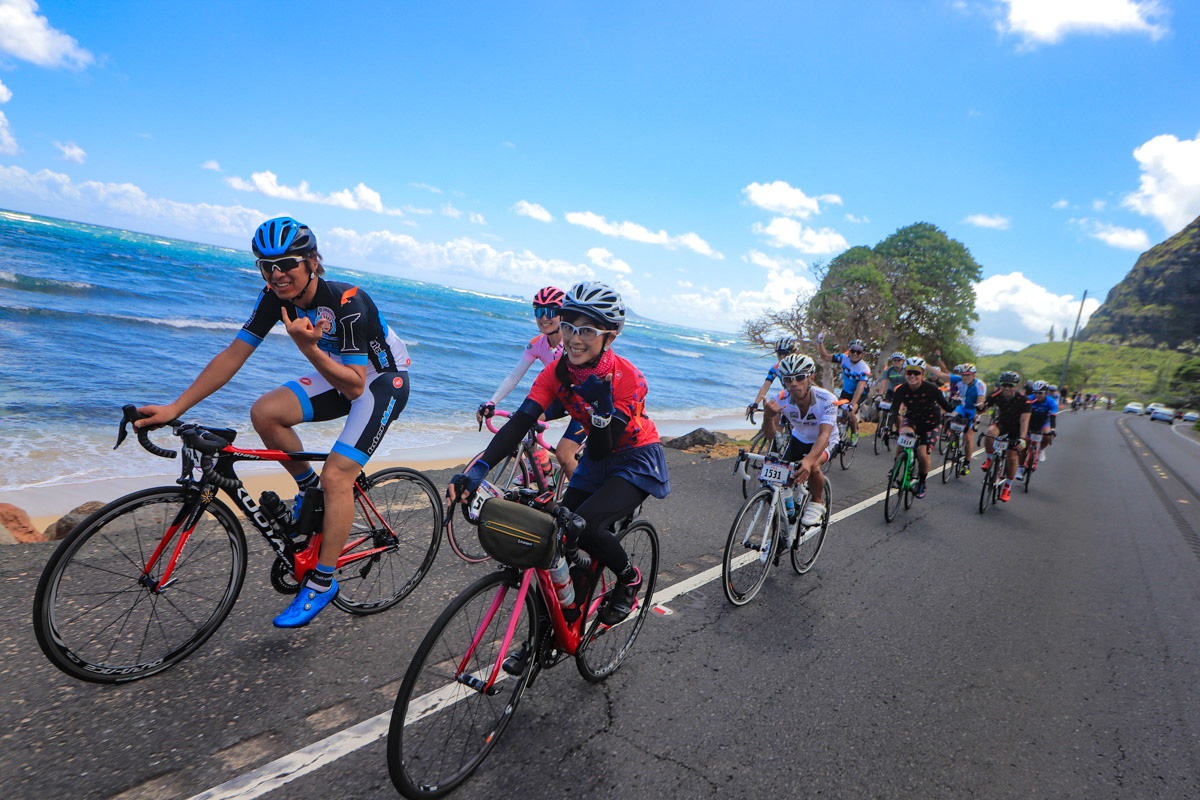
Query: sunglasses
{"points": [[584, 332], [268, 265], [913, 372], [1008, 386], [856, 352], [542, 312], [795, 378]]}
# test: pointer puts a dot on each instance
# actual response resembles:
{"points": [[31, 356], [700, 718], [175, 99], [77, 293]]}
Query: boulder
{"points": [[701, 437], [16, 525], [64, 526]]}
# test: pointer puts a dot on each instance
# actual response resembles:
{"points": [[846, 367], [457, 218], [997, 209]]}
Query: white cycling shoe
{"points": [[812, 514]]}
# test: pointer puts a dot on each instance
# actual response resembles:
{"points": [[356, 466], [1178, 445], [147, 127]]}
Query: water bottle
{"points": [[789, 503], [543, 461], [560, 576], [275, 511], [311, 511]]}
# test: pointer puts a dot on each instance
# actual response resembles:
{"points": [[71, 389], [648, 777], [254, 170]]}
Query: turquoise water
{"points": [[93, 318]]}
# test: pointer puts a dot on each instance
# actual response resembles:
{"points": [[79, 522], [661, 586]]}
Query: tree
{"points": [[914, 291], [1064, 333], [1050, 336]]}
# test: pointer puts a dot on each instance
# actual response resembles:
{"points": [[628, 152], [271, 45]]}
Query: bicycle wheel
{"points": [[804, 555], [442, 729], [1030, 458], [399, 522], [511, 472], [988, 484], [950, 462], [846, 456], [895, 486], [603, 648], [880, 426], [908, 487], [96, 619], [752, 538]]}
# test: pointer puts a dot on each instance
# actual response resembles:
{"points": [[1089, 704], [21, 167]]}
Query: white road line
{"points": [[1184, 435], [281, 771]]}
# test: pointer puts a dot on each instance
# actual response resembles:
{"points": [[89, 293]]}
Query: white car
{"points": [[1163, 414], [1191, 416], [1151, 406], [1132, 408]]}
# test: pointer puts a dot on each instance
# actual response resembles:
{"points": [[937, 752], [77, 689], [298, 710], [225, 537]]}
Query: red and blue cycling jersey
{"points": [[629, 391]]}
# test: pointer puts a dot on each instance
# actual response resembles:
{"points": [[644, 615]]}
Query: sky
{"points": [[701, 157]]}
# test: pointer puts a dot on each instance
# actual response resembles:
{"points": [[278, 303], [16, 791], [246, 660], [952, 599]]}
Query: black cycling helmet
{"points": [[1009, 377], [785, 346]]}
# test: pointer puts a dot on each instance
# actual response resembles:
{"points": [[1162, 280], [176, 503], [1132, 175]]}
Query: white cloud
{"points": [[476, 218], [1098, 205], [603, 258], [71, 152], [424, 212], [787, 232], [211, 165], [29, 37], [988, 221], [684, 284], [448, 210], [852, 218], [780, 198], [1122, 238], [532, 210], [508, 144], [126, 199], [5, 93], [426, 187], [1170, 185], [761, 259], [8, 142], [639, 233], [1014, 311], [725, 309], [1060, 205], [360, 198], [994, 345], [1048, 21], [463, 257]]}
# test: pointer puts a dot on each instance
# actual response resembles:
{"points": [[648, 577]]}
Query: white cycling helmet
{"points": [[597, 301], [797, 364], [915, 362], [1040, 386]]}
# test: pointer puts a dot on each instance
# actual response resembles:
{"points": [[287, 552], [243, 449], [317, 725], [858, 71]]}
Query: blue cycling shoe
{"points": [[305, 606]]}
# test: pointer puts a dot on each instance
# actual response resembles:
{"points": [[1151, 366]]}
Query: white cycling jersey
{"points": [[806, 426]]}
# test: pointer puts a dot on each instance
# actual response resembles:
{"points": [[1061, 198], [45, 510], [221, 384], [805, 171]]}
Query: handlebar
{"points": [[538, 426], [196, 438], [751, 410]]}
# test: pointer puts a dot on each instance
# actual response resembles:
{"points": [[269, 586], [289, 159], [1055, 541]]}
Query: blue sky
{"points": [[699, 156]]}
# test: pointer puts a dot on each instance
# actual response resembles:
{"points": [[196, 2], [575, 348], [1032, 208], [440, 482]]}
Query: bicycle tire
{"points": [[908, 487], [988, 481], [104, 556], [410, 532], [804, 556], [880, 426], [1030, 458], [895, 487], [763, 529], [512, 471], [436, 719], [604, 648], [950, 461], [772, 448], [846, 456]]}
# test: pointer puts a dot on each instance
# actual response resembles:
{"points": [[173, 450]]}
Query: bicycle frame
{"points": [[533, 438], [777, 504]]}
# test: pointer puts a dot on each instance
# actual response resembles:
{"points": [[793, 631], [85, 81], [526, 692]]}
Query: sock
{"points": [[628, 575], [320, 578], [308, 480], [920, 478]]}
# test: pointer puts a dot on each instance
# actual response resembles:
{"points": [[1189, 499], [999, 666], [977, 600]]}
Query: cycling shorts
{"points": [[797, 450], [848, 395], [575, 432], [1039, 423], [367, 418], [966, 412], [925, 431]]}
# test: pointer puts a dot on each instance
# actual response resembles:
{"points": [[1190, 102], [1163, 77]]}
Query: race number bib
{"points": [[885, 405], [958, 427], [1035, 437], [773, 472], [907, 440]]}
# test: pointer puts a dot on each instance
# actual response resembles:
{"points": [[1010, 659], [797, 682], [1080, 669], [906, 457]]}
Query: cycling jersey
{"points": [[356, 333], [852, 373], [1008, 411], [773, 372], [806, 425], [892, 377], [921, 405], [629, 397], [970, 393], [1041, 411], [538, 349]]}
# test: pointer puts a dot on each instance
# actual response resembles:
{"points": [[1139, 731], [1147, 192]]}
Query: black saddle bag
{"points": [[517, 535]]}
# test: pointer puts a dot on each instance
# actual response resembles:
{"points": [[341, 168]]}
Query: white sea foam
{"points": [[485, 294], [684, 353]]}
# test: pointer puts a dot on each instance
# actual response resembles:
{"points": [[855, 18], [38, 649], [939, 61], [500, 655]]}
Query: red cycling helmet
{"points": [[550, 297]]}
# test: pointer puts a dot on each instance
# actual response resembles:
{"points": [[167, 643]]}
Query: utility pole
{"points": [[1071, 344]]}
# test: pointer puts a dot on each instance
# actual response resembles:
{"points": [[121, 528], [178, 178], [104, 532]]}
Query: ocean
{"points": [[92, 318]]}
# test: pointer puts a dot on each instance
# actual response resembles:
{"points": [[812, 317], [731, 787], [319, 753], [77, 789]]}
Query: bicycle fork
{"points": [[473, 680]]}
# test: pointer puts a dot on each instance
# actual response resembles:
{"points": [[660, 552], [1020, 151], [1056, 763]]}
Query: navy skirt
{"points": [[645, 467]]}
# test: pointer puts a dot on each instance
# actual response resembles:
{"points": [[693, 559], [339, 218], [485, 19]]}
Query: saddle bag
{"points": [[517, 535]]}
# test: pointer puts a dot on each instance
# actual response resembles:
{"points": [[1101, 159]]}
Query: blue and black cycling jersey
{"points": [[1041, 412]]}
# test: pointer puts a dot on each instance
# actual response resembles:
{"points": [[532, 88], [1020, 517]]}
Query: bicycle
{"points": [[883, 428], [143, 582], [844, 450], [902, 478], [761, 527], [1030, 461], [993, 476], [761, 445], [517, 469], [954, 455], [454, 704]]}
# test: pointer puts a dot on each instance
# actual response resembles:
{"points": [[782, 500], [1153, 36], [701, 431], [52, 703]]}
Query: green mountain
{"points": [[1158, 302]]}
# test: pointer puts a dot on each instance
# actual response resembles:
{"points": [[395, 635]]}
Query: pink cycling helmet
{"points": [[550, 297]]}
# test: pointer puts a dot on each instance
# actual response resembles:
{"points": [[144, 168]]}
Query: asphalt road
{"points": [[1049, 648]]}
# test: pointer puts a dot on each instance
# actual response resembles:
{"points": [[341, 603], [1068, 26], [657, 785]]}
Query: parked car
{"points": [[1163, 414], [1152, 406], [1191, 416], [1132, 408]]}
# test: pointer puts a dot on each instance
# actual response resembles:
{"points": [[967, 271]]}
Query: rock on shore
{"points": [[16, 527]]}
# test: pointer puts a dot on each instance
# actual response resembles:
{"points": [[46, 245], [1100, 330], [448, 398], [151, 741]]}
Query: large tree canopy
{"points": [[914, 291]]}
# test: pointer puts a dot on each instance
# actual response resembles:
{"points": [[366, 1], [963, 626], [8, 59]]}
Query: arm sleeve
{"points": [[262, 318], [600, 441], [510, 382], [508, 437]]}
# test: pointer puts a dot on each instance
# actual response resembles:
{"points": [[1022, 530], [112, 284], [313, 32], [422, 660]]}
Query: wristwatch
{"points": [[601, 422]]}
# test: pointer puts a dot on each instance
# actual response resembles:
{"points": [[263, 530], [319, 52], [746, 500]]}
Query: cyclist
{"points": [[783, 348], [893, 376], [545, 347], [855, 375], [360, 372], [971, 392], [813, 414], [1043, 417], [623, 463], [1012, 420], [921, 399]]}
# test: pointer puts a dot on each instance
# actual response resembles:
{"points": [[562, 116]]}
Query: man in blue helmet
{"points": [[360, 372]]}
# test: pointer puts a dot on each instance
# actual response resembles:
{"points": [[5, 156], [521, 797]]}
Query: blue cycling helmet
{"points": [[282, 236]]}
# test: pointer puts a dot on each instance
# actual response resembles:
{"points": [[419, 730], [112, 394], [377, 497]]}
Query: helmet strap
{"points": [[311, 274]]}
